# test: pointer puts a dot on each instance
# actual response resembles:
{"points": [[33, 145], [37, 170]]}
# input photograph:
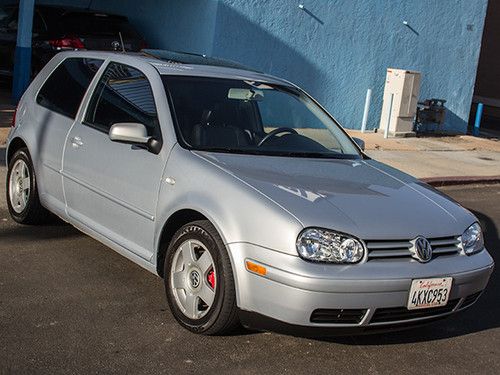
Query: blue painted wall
{"points": [[335, 49]]}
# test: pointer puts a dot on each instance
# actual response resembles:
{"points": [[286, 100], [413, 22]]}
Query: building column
{"points": [[22, 59]]}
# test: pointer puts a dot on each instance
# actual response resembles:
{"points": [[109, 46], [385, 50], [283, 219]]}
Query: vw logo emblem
{"points": [[194, 279], [421, 249], [115, 44]]}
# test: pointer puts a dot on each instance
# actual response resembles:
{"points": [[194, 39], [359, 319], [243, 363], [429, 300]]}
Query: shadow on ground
{"points": [[55, 228], [32, 233]]}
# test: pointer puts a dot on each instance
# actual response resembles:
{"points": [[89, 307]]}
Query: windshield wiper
{"points": [[223, 149], [304, 154]]}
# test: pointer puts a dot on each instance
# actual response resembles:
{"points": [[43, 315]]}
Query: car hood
{"points": [[362, 197]]}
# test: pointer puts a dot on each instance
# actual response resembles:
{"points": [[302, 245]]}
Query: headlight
{"points": [[328, 246], [472, 239]]}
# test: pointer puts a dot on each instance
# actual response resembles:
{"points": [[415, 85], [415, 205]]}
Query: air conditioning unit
{"points": [[404, 87]]}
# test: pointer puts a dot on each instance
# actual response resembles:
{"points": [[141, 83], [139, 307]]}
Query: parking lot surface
{"points": [[71, 305]]}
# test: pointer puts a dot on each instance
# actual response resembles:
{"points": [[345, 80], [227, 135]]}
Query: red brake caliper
{"points": [[211, 279]]}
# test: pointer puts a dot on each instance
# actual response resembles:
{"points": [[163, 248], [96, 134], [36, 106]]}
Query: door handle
{"points": [[76, 142]]}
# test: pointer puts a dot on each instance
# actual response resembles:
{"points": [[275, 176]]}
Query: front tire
{"points": [[22, 191], [199, 280]]}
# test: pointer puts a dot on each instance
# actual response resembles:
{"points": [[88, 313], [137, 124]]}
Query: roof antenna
{"points": [[121, 41]]}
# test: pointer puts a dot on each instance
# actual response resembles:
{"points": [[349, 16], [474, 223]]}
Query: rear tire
{"points": [[199, 280], [22, 190]]}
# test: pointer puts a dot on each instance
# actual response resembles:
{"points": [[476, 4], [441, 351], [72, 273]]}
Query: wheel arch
{"points": [[174, 223], [14, 145]]}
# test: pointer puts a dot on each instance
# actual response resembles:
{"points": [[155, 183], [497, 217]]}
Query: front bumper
{"points": [[293, 289]]}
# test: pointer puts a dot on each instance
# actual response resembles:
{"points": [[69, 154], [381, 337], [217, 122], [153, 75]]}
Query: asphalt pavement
{"points": [[71, 305]]}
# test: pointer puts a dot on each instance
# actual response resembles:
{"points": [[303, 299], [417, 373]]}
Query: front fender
{"points": [[237, 210]]}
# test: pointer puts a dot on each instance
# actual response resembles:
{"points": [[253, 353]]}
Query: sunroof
{"points": [[192, 58]]}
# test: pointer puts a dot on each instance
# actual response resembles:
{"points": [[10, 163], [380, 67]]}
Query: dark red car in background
{"points": [[56, 29]]}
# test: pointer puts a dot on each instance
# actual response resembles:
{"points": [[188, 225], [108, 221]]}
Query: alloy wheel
{"points": [[19, 186], [193, 279]]}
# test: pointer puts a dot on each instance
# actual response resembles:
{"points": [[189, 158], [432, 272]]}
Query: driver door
{"points": [[110, 187]]}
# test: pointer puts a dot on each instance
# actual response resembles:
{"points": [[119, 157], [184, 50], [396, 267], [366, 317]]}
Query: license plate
{"points": [[427, 293]]}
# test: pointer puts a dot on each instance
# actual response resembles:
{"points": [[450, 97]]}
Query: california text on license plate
{"points": [[425, 293]]}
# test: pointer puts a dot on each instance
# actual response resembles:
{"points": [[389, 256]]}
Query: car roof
{"points": [[192, 65], [192, 58]]}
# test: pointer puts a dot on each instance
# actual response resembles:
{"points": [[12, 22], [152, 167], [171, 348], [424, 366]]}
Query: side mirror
{"points": [[359, 142], [129, 132], [134, 133]]}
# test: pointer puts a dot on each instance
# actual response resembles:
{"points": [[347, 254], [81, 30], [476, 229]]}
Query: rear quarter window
{"points": [[64, 89]]}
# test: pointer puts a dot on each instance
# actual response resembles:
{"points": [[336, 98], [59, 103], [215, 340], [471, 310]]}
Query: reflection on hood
{"points": [[362, 197]]}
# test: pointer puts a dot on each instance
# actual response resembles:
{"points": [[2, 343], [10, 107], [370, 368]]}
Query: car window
{"points": [[123, 94], [263, 118], [280, 110], [63, 91]]}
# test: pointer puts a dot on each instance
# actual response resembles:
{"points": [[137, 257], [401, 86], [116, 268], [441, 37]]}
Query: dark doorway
{"points": [[487, 87]]}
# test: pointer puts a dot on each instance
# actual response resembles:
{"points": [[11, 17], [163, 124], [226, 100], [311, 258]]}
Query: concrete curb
{"points": [[460, 180], [4, 132]]}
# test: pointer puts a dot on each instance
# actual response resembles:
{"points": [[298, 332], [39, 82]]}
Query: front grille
{"points": [[338, 316], [394, 249], [394, 314], [469, 300]]}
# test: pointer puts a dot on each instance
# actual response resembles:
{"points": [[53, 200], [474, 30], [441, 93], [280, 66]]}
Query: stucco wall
{"points": [[338, 49], [335, 49]]}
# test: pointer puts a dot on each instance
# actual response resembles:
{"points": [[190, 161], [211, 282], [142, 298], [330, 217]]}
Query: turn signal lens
{"points": [[256, 268]]}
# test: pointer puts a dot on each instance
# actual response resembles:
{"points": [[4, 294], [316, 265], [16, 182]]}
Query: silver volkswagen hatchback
{"points": [[242, 193]]}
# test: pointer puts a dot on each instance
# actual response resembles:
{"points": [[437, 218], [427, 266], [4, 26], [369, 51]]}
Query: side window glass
{"points": [[64, 89], [123, 94]]}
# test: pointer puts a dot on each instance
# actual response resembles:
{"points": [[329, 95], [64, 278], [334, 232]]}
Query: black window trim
{"points": [[91, 95]]}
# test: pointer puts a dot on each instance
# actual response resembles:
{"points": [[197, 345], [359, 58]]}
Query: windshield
{"points": [[238, 116]]}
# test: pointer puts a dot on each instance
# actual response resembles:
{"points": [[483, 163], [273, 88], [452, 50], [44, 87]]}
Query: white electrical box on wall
{"points": [[404, 85]]}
